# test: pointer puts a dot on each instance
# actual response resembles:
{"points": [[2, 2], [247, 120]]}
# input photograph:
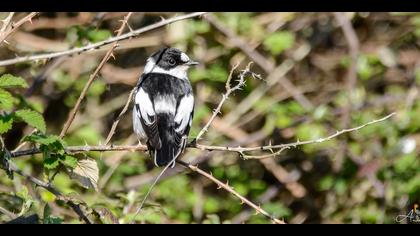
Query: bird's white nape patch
{"points": [[184, 57], [180, 71]]}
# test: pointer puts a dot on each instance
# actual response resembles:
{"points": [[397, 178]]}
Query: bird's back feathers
{"points": [[164, 105]]}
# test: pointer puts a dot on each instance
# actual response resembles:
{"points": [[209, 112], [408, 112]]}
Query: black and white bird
{"points": [[164, 105]]}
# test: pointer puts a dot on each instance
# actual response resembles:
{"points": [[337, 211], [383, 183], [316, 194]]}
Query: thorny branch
{"points": [[240, 150], [76, 208], [229, 90], [6, 22], [93, 76], [123, 111], [100, 44], [14, 26], [230, 189]]}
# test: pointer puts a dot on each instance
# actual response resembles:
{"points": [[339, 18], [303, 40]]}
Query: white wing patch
{"points": [[138, 128], [146, 106], [183, 114]]}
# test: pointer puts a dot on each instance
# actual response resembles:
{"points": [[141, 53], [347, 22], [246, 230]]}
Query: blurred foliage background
{"points": [[368, 176]]}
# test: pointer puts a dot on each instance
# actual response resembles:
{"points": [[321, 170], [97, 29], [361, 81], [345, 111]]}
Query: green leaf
{"points": [[6, 100], [6, 122], [42, 139], [279, 41], [9, 81], [69, 161], [98, 35], [48, 218], [32, 118], [51, 162], [53, 220]]}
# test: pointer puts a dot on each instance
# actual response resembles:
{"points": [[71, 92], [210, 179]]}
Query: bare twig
{"points": [[353, 43], [9, 214], [150, 189], [230, 189], [282, 147], [124, 110], [93, 76], [15, 26], [260, 60], [6, 22], [76, 208], [225, 96], [97, 45], [239, 149]]}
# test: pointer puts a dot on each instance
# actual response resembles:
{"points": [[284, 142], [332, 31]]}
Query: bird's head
{"points": [[170, 61]]}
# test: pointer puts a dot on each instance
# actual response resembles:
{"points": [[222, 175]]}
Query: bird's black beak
{"points": [[192, 63]]}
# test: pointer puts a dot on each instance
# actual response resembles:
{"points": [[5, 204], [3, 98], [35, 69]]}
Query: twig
{"points": [[9, 214], [100, 44], [353, 44], [225, 96], [108, 55], [228, 188], [15, 26], [124, 110], [150, 190], [280, 147], [260, 60], [6, 22], [76, 208]]}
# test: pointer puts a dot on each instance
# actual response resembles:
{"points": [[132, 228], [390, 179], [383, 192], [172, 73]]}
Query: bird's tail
{"points": [[172, 146]]}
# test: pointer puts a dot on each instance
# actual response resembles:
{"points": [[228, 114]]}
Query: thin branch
{"points": [[353, 43], [6, 22], [100, 44], [239, 149], [151, 188], [9, 214], [124, 110], [282, 147], [76, 208], [15, 26], [225, 96], [230, 189], [267, 65], [93, 76]]}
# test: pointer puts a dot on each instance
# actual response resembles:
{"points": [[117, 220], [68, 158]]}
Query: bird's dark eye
{"points": [[171, 62]]}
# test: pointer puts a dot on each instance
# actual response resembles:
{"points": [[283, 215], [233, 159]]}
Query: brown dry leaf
{"points": [[87, 173]]}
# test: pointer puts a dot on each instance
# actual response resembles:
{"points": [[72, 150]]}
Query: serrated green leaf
{"points": [[10, 81], [42, 139], [32, 118], [51, 162], [6, 123], [69, 161], [6, 100]]}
